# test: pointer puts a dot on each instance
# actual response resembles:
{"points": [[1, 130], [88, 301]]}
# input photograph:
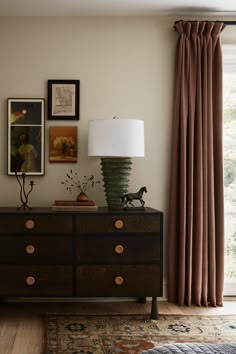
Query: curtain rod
{"points": [[227, 23]]}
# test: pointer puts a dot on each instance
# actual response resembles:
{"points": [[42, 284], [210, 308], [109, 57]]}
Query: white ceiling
{"points": [[116, 7]]}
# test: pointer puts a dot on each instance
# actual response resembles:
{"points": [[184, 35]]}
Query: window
{"points": [[229, 131]]}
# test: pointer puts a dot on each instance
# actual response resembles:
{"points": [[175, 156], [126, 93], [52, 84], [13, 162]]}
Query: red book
{"points": [[74, 203], [77, 208]]}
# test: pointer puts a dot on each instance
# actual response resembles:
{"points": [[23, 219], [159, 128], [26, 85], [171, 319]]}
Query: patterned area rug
{"points": [[74, 334]]}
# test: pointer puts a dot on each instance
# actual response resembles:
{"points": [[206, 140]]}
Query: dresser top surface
{"points": [[99, 211]]}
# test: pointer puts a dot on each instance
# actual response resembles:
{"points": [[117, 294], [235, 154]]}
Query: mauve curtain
{"points": [[196, 210]]}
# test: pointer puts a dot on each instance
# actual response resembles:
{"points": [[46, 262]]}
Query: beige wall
{"points": [[125, 67]]}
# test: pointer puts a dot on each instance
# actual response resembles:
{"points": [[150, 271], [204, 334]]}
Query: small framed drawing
{"points": [[63, 99], [25, 146], [63, 144]]}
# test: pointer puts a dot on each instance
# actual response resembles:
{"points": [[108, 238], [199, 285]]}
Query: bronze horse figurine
{"points": [[129, 197]]}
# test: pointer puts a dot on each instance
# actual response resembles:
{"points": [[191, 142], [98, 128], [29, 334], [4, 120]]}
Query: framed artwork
{"points": [[25, 146], [63, 144], [63, 99]]}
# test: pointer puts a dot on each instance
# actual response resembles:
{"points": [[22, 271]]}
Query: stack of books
{"points": [[71, 205]]}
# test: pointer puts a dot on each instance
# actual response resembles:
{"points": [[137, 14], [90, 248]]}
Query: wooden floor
{"points": [[21, 326]]}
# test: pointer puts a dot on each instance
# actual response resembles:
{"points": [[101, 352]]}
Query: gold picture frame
{"points": [[63, 144]]}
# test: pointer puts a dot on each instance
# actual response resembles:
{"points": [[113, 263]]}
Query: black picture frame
{"points": [[26, 134], [63, 99]]}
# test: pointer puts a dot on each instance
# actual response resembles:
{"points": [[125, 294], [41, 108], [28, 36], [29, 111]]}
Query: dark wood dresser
{"points": [[106, 253]]}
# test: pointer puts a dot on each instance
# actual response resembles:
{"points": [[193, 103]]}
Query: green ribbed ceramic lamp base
{"points": [[116, 172]]}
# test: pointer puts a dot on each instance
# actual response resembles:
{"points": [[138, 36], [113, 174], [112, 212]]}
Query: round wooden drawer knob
{"points": [[29, 224], [119, 280], [30, 281], [119, 224], [119, 249], [30, 249]]}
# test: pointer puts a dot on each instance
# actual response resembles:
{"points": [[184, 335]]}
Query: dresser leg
{"points": [[142, 300], [154, 311]]}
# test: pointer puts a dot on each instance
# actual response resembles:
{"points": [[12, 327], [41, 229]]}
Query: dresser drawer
{"points": [[36, 249], [139, 280], [118, 223], [35, 281], [30, 223], [119, 249]]}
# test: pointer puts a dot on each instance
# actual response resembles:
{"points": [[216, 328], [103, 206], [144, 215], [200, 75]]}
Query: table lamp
{"points": [[116, 141]]}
